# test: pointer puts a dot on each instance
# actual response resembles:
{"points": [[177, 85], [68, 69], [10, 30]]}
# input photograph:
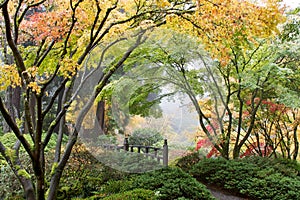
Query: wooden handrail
{"points": [[130, 148]]}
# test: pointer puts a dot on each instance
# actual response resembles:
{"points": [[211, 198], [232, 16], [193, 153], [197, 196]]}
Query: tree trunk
{"points": [[29, 191], [59, 107], [13, 105], [99, 124], [296, 144]]}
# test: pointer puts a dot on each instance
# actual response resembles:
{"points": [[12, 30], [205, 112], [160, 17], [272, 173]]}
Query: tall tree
{"points": [[229, 31], [60, 36]]}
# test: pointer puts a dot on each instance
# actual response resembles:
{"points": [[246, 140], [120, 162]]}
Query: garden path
{"points": [[223, 195]]}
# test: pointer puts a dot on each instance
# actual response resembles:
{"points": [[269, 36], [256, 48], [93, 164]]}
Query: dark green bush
{"points": [[116, 186], [145, 136], [286, 167], [81, 176], [172, 183], [205, 168], [257, 178], [274, 186], [136, 194], [187, 161]]}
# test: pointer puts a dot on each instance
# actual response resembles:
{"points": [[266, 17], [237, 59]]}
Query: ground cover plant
{"points": [[253, 177], [167, 183]]}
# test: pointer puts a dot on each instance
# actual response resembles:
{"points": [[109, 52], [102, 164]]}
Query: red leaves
{"points": [[44, 25], [269, 105], [255, 149], [205, 143]]}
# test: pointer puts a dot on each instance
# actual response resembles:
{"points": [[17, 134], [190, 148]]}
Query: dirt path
{"points": [[223, 195]]}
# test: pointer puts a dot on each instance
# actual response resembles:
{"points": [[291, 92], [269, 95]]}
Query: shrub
{"points": [[82, 175], [205, 168], [186, 162], [286, 167], [145, 136], [116, 186], [109, 174], [258, 178], [12, 188], [273, 186], [172, 183], [136, 194]]}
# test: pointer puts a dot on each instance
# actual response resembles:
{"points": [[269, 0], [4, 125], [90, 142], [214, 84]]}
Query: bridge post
{"points": [[165, 153], [126, 144]]}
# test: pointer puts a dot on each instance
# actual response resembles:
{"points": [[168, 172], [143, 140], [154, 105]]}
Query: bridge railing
{"points": [[159, 154]]}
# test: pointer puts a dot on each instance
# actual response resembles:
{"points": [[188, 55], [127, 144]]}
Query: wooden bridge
{"points": [[159, 154]]}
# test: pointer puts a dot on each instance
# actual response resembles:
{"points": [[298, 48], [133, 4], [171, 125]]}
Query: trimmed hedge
{"points": [[172, 183], [257, 178], [166, 183]]}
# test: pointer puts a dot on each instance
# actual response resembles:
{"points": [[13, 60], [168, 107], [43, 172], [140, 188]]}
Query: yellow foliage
{"points": [[34, 87], [135, 122], [32, 71], [221, 24], [68, 67], [74, 111], [162, 3], [9, 76]]}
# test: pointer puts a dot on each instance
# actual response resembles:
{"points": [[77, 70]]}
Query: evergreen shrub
{"points": [[255, 178]]}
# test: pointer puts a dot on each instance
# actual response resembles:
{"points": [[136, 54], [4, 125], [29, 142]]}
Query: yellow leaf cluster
{"points": [[34, 87], [221, 24], [32, 71], [9, 76], [162, 3], [68, 67]]}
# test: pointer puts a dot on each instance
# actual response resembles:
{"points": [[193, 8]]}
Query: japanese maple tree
{"points": [[49, 41]]}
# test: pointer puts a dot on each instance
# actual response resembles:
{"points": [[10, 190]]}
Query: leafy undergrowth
{"points": [[167, 183], [253, 177]]}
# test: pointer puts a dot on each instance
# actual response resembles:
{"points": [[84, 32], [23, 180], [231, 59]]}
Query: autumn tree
{"points": [[277, 120], [243, 66], [275, 131], [233, 33], [51, 41]]}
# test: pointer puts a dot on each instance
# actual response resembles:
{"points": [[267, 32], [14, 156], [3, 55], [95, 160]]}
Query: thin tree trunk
{"points": [[296, 144], [99, 124], [59, 107], [12, 103], [26, 183]]}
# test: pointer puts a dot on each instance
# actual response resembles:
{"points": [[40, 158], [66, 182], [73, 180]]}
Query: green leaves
{"points": [[255, 177], [172, 183]]}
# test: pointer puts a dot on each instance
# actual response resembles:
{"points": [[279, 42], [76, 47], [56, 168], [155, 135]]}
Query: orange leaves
{"points": [[52, 22], [50, 25]]}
